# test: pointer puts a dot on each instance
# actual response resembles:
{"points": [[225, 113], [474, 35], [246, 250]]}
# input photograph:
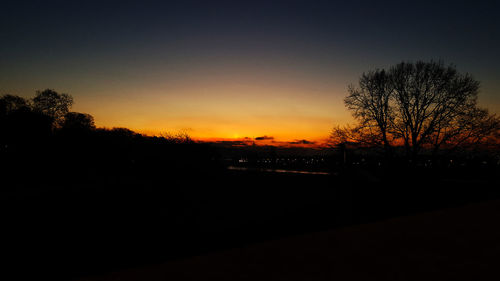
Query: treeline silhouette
{"points": [[42, 142], [76, 199]]}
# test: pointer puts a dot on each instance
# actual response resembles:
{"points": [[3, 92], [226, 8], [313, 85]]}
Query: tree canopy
{"points": [[11, 103], [52, 104], [417, 105], [78, 121], [32, 120]]}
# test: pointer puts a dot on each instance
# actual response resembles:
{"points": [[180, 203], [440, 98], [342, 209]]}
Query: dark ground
{"points": [[74, 230], [451, 244]]}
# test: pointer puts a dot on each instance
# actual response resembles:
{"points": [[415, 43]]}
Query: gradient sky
{"points": [[232, 69]]}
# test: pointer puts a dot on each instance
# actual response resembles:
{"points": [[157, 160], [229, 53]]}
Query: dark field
{"points": [[66, 231], [451, 244]]}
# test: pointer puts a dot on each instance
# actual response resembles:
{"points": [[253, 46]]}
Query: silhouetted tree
{"points": [[177, 138], [25, 126], [427, 98], [76, 121], [370, 104], [52, 104], [11, 103], [123, 132], [366, 136], [19, 123], [422, 104], [471, 127]]}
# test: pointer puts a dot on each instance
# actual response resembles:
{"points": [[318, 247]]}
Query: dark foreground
{"points": [[452, 244], [71, 231]]}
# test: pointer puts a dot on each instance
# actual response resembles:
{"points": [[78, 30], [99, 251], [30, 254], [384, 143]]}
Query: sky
{"points": [[234, 69]]}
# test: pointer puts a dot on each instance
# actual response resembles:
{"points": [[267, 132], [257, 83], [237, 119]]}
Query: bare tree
{"points": [[420, 105], [365, 136], [435, 105], [472, 127], [370, 104]]}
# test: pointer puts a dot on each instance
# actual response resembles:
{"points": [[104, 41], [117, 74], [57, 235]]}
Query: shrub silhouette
{"points": [[76, 121]]}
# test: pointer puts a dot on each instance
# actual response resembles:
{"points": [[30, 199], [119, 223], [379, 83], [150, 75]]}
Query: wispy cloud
{"points": [[264, 138], [301, 142]]}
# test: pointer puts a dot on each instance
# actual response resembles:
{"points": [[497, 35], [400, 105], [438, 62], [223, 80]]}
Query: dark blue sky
{"points": [[111, 55]]}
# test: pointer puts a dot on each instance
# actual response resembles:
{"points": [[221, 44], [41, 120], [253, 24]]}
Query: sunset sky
{"points": [[234, 69]]}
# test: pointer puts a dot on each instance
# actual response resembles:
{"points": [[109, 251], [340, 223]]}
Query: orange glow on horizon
{"points": [[258, 141], [225, 102]]}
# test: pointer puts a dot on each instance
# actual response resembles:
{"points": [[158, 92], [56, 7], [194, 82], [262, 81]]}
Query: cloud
{"points": [[264, 138], [302, 142]]}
